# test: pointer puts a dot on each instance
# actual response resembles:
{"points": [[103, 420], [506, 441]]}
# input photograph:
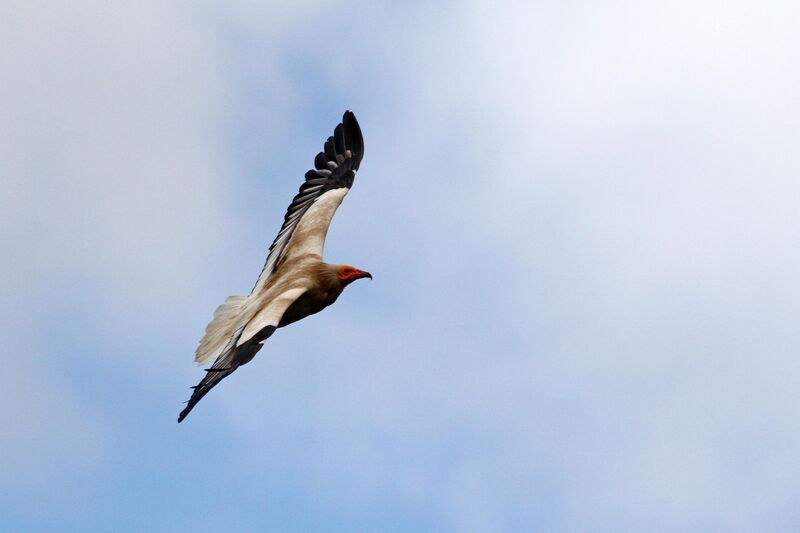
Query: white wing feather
{"points": [[271, 314], [309, 237]]}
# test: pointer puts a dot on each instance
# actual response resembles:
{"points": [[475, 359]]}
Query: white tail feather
{"points": [[226, 321]]}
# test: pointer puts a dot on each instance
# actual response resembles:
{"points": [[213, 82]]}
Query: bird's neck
{"points": [[329, 278]]}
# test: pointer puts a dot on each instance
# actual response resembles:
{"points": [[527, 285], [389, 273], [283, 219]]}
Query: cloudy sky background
{"points": [[582, 222]]}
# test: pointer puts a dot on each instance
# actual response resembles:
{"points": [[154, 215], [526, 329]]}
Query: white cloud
{"points": [[113, 162], [110, 166], [602, 215], [585, 315]]}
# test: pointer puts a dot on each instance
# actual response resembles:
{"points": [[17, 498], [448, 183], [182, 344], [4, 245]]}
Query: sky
{"points": [[582, 223]]}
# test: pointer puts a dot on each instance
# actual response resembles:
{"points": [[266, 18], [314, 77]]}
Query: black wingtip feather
{"points": [[330, 151], [213, 377], [338, 139], [340, 159], [354, 138]]}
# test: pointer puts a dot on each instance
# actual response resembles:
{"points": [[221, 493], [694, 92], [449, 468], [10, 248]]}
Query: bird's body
{"points": [[314, 299], [295, 281]]}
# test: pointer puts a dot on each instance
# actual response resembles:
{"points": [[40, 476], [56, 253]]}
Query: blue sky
{"points": [[582, 222]]}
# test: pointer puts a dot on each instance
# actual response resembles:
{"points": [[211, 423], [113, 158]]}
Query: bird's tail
{"points": [[227, 319]]}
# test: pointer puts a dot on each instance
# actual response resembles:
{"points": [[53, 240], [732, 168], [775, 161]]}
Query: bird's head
{"points": [[348, 274]]}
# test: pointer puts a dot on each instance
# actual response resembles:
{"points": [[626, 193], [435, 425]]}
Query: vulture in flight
{"points": [[295, 282]]}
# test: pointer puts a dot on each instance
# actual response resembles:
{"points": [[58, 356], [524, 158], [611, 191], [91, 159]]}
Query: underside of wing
{"points": [[226, 364], [243, 345], [271, 315], [334, 168]]}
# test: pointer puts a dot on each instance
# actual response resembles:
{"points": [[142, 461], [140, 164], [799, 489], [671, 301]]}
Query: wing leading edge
{"points": [[334, 168]]}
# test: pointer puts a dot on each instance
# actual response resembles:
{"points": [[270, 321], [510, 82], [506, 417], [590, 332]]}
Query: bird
{"points": [[295, 282]]}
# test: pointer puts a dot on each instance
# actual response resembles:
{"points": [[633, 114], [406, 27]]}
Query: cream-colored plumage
{"points": [[295, 282], [307, 242]]}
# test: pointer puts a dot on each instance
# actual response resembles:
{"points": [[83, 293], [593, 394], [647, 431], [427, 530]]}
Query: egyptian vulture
{"points": [[295, 282]]}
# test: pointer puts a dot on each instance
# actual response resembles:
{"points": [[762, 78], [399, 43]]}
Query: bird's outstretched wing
{"points": [[324, 187], [229, 360], [241, 324], [243, 345]]}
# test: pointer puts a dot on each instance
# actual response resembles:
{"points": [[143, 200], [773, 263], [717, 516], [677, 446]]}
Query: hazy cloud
{"points": [[580, 219]]}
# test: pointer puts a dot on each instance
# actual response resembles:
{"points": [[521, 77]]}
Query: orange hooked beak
{"points": [[349, 274], [358, 274]]}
